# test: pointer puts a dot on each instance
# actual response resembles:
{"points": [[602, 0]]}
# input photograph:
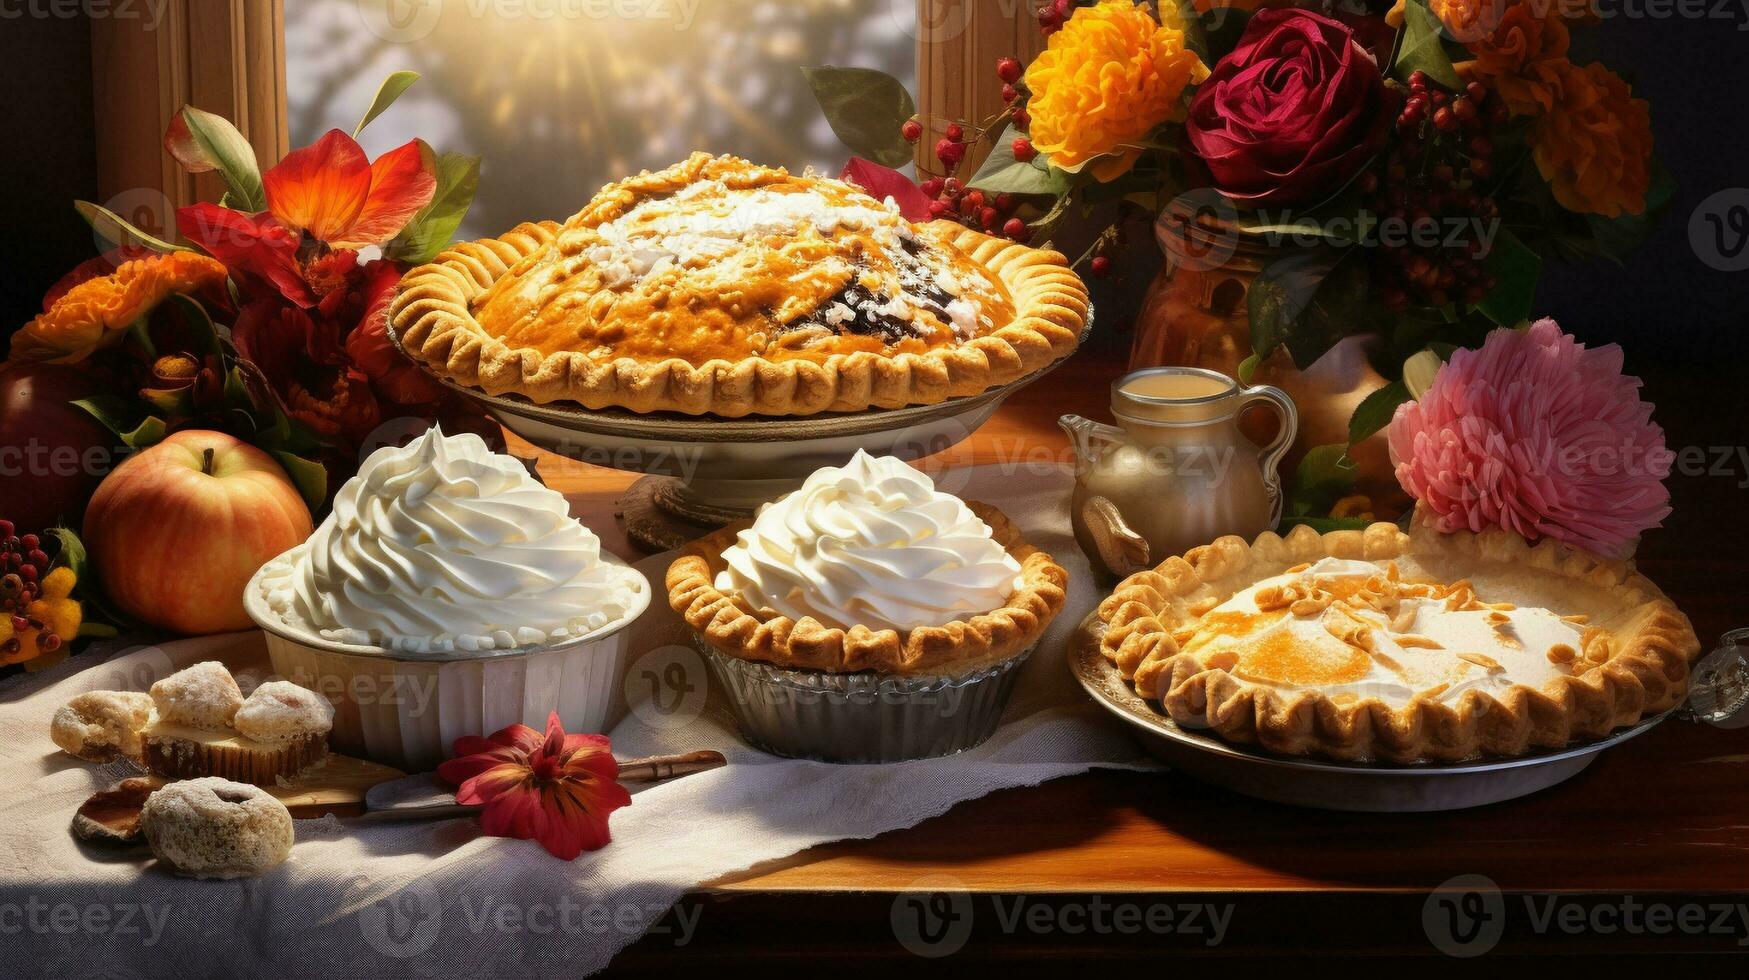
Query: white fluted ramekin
{"points": [[407, 709]]}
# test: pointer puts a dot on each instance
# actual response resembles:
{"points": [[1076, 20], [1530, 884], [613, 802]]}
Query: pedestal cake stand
{"points": [[704, 472]]}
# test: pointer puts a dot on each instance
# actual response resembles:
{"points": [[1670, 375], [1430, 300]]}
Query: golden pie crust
{"points": [[1636, 659], [729, 624], [551, 313]]}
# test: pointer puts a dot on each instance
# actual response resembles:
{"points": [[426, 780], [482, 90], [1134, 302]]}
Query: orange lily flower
{"points": [[332, 192]]}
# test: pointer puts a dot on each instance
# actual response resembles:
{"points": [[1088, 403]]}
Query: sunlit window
{"points": [[562, 96]]}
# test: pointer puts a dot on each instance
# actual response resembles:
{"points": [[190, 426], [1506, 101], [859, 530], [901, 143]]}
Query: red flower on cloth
{"points": [[555, 788]]}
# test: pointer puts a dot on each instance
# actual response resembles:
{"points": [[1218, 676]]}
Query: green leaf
{"points": [[116, 230], [1517, 270], [434, 227], [866, 109], [202, 141], [1375, 411], [1248, 368], [1324, 475], [126, 419], [116, 413], [73, 553], [149, 432], [1420, 370], [1307, 301], [1423, 48], [390, 90], [1002, 173], [1281, 292], [309, 476]]}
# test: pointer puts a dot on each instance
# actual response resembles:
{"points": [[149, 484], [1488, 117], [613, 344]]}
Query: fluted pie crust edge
{"points": [[432, 313], [1651, 647], [731, 625]]}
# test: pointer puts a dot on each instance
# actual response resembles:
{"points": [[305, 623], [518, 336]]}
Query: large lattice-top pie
{"points": [[717, 286], [1399, 646]]}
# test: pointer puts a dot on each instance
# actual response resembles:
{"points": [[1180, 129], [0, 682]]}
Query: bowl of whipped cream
{"points": [[448, 593]]}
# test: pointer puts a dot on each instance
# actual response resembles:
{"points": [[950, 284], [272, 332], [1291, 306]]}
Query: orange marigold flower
{"points": [[96, 313], [1465, 21], [1107, 79], [1594, 145], [1519, 59]]}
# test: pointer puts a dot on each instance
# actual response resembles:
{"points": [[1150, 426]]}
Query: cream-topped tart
{"points": [[869, 567], [1386, 645]]}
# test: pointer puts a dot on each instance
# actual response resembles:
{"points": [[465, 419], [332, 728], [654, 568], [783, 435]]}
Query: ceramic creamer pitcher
{"points": [[1175, 472]]}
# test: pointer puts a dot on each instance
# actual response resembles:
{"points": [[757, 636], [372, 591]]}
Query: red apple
{"points": [[178, 529], [52, 453]]}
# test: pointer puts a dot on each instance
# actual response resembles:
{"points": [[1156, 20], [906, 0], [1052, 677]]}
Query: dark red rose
{"points": [[1292, 113]]}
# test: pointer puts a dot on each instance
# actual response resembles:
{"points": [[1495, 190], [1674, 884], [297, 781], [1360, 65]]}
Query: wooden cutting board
{"points": [[336, 787]]}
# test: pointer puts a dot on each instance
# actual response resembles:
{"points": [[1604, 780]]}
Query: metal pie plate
{"points": [[1326, 785]]}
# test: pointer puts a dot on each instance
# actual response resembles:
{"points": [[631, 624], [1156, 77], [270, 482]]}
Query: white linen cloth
{"points": [[438, 898]]}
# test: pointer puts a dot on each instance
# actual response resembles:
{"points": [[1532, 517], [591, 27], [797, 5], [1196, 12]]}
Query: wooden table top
{"points": [[1665, 813]]}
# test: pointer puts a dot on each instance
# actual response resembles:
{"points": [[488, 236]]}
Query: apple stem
{"points": [[206, 461]]}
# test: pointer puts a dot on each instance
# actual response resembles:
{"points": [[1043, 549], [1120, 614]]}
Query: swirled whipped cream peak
{"points": [[443, 545], [871, 543]]}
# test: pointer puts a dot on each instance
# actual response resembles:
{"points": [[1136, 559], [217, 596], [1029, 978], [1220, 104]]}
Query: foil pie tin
{"points": [[865, 718]]}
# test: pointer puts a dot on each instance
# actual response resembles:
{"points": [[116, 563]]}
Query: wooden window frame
{"points": [[958, 45], [228, 57], [224, 56]]}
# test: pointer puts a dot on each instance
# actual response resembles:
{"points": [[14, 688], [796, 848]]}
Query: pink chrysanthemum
{"points": [[1539, 435]]}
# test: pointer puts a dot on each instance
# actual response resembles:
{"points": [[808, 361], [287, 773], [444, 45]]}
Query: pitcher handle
{"points": [[1271, 455], [1088, 437]]}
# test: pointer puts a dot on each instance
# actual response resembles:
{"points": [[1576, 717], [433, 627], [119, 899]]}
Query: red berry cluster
{"points": [[992, 213], [1053, 14], [1433, 183], [23, 564]]}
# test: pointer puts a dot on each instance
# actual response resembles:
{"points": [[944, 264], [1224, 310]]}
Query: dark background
{"points": [[1667, 307]]}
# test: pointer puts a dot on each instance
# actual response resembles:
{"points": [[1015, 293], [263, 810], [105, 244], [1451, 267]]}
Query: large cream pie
{"points": [[717, 286], [1398, 646]]}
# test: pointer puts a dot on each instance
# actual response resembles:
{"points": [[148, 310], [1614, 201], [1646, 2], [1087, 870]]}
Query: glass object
{"points": [[562, 96]]}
